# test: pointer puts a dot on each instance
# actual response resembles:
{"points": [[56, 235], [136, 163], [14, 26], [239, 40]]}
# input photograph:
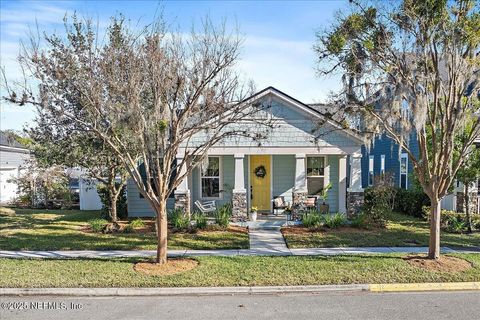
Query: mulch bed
{"points": [[173, 266], [443, 264], [150, 228]]}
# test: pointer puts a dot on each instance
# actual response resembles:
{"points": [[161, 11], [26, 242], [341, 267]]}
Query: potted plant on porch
{"points": [[324, 207], [253, 213]]}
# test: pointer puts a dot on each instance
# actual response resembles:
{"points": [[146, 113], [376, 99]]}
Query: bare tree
{"points": [[411, 67], [158, 99]]}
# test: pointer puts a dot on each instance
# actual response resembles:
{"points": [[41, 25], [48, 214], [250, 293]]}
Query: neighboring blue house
{"points": [[384, 156], [299, 158]]}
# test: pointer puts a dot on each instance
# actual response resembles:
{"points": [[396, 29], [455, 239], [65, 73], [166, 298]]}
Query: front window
{"points": [[315, 175], [210, 178], [403, 171], [382, 165]]}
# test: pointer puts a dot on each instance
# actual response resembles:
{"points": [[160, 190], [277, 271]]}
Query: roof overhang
{"points": [[302, 107]]}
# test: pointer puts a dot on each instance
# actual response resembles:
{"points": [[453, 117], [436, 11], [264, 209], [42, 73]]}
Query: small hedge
{"points": [[411, 201], [451, 221]]}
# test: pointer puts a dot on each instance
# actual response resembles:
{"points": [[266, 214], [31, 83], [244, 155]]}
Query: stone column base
{"points": [[473, 202], [298, 197], [182, 201], [239, 206], [355, 202]]}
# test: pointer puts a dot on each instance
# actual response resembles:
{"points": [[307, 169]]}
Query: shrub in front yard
{"points": [[97, 225], [452, 221], [379, 201], [312, 220], [200, 220], [411, 201], [178, 219], [223, 214], [359, 221], [335, 221], [137, 223]]}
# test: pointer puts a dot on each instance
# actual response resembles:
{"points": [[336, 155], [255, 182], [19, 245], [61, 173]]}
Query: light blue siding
{"points": [[332, 199], [283, 176], [139, 207]]}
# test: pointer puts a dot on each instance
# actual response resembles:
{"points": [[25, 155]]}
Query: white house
{"points": [[12, 156]]}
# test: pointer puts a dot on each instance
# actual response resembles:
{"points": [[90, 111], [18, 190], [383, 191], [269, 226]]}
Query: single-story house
{"points": [[12, 156], [299, 158]]}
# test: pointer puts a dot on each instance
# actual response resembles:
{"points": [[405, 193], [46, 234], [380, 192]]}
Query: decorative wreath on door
{"points": [[260, 171]]}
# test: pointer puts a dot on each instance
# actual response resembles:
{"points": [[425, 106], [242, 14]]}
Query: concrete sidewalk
{"points": [[222, 253]]}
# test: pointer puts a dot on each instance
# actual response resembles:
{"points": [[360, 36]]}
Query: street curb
{"points": [[215, 291], [183, 291], [409, 287]]}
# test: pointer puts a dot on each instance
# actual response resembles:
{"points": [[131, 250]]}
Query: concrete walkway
{"points": [[273, 251], [269, 240]]}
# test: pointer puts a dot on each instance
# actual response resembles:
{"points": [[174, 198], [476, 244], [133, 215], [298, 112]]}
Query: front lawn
{"points": [[401, 231], [229, 271], [66, 230]]}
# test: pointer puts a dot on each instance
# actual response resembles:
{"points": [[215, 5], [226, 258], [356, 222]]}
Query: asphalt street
{"points": [[344, 305]]}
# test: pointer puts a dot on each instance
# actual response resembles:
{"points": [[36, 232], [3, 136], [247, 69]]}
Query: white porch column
{"points": [[239, 173], [182, 193], [300, 173], [355, 173], [239, 193], [355, 196], [342, 184], [300, 187]]}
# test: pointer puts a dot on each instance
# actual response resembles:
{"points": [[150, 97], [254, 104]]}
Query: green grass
{"points": [[401, 231], [62, 230], [228, 271]]}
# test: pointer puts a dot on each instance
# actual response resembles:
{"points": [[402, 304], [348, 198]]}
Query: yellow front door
{"points": [[260, 186]]}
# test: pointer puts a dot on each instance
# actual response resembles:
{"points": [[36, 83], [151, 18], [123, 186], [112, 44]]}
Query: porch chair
{"points": [[206, 206], [279, 203], [311, 202]]}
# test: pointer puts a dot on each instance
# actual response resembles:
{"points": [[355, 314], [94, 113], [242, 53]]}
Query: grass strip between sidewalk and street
{"points": [[229, 271]]}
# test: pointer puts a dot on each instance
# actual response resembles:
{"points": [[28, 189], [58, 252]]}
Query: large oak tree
{"points": [[411, 67]]}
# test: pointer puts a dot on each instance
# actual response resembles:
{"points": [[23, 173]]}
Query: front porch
{"points": [[247, 180]]}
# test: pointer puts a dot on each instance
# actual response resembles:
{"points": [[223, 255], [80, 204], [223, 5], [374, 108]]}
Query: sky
{"points": [[277, 50]]}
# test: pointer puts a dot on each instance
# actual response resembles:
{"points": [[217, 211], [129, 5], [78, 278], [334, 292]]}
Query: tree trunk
{"points": [[466, 203], [434, 245], [162, 229], [113, 203]]}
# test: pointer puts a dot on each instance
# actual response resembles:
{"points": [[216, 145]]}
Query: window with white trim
{"points": [[315, 175], [382, 165], [370, 170], [404, 171], [210, 178]]}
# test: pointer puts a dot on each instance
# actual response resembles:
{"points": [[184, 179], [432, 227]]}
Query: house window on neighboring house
{"points": [[404, 171], [315, 174], [210, 178], [370, 170], [382, 165]]}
